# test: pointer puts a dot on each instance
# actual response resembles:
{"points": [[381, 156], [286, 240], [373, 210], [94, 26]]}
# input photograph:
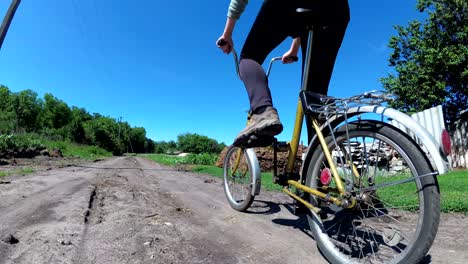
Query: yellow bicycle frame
{"points": [[293, 150]]}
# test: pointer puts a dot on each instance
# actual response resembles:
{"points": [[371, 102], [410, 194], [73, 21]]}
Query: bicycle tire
{"points": [[237, 183], [353, 235]]}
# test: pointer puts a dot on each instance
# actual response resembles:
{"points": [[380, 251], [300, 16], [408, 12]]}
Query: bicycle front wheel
{"points": [[238, 179], [396, 215]]}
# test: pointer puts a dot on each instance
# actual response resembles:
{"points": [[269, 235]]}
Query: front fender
{"points": [[255, 170]]}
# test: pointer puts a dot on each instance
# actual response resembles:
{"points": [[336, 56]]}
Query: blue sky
{"points": [[155, 63]]}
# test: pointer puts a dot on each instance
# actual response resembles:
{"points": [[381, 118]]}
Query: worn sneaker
{"points": [[266, 124]]}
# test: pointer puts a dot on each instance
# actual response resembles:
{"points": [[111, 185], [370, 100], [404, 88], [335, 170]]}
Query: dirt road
{"points": [[130, 210]]}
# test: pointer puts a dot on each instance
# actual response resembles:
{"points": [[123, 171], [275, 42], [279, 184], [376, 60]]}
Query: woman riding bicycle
{"points": [[277, 20]]}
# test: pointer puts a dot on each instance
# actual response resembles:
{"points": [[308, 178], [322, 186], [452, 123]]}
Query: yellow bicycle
{"points": [[370, 187]]}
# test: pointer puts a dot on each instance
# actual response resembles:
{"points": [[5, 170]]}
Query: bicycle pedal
{"points": [[294, 176], [258, 141], [298, 208], [281, 179], [281, 146]]}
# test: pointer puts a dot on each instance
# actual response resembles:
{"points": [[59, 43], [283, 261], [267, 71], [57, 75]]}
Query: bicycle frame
{"points": [[294, 146], [343, 198], [351, 178]]}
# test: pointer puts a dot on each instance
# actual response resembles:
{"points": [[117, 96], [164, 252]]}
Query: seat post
{"points": [[308, 59], [294, 144]]}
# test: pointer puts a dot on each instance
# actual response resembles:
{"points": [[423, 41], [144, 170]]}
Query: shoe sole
{"points": [[267, 130], [270, 130]]}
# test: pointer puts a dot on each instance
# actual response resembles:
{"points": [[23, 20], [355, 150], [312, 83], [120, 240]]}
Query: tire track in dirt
{"points": [[128, 206], [43, 216]]}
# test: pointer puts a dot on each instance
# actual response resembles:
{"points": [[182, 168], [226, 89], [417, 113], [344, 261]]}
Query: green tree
{"points": [[56, 113], [27, 108], [194, 143], [79, 117], [149, 146], [54, 119], [138, 139], [163, 147], [103, 132], [7, 114], [430, 60]]}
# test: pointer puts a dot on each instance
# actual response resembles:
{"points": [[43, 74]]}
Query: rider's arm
{"points": [[236, 7], [295, 45], [292, 52], [229, 28]]}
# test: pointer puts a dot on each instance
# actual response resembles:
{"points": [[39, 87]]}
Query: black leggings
{"points": [[277, 20]]}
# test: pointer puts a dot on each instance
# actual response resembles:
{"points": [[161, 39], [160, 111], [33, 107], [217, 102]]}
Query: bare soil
{"points": [[131, 210]]}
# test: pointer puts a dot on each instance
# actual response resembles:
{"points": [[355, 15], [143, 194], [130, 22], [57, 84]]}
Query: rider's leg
{"points": [[266, 33], [326, 43], [276, 20], [256, 82]]}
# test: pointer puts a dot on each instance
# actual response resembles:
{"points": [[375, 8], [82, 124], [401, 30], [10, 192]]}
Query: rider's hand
{"points": [[225, 43], [289, 57]]}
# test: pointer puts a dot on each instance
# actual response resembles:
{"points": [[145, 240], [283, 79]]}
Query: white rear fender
{"points": [[428, 143]]}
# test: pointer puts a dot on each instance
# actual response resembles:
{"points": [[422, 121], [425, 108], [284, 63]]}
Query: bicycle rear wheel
{"points": [[392, 222], [238, 179]]}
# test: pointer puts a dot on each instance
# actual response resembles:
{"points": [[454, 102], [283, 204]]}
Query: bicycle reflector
{"points": [[446, 142], [325, 176]]}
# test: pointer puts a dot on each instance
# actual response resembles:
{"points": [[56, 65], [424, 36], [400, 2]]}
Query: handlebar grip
{"points": [[221, 42], [293, 58]]}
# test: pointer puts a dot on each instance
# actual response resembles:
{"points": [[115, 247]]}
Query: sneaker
{"points": [[266, 124]]}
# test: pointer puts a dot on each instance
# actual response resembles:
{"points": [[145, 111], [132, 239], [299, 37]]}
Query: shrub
{"points": [[20, 141], [194, 143]]}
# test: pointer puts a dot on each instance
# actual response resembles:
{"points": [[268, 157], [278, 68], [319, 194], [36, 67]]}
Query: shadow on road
{"points": [[263, 207], [426, 260], [299, 223]]}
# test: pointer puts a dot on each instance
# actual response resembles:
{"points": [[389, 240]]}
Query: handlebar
{"points": [[294, 58], [222, 42]]}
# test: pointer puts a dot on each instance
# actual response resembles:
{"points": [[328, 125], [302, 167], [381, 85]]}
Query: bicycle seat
{"points": [[311, 17]]}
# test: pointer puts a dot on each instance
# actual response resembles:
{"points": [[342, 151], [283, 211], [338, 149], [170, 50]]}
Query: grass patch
{"points": [[208, 169], [70, 149], [163, 159], [267, 182], [267, 177], [453, 186], [453, 193], [22, 171], [190, 159]]}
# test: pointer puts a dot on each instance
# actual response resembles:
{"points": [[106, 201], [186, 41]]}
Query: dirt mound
{"points": [[29, 153], [265, 158]]}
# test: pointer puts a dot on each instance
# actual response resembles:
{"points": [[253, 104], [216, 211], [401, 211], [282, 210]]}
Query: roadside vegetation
{"points": [[51, 118], [29, 145], [453, 185], [454, 191], [22, 171], [70, 149], [27, 121]]}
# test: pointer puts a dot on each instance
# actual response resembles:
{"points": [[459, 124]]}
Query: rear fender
{"points": [[430, 146]]}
